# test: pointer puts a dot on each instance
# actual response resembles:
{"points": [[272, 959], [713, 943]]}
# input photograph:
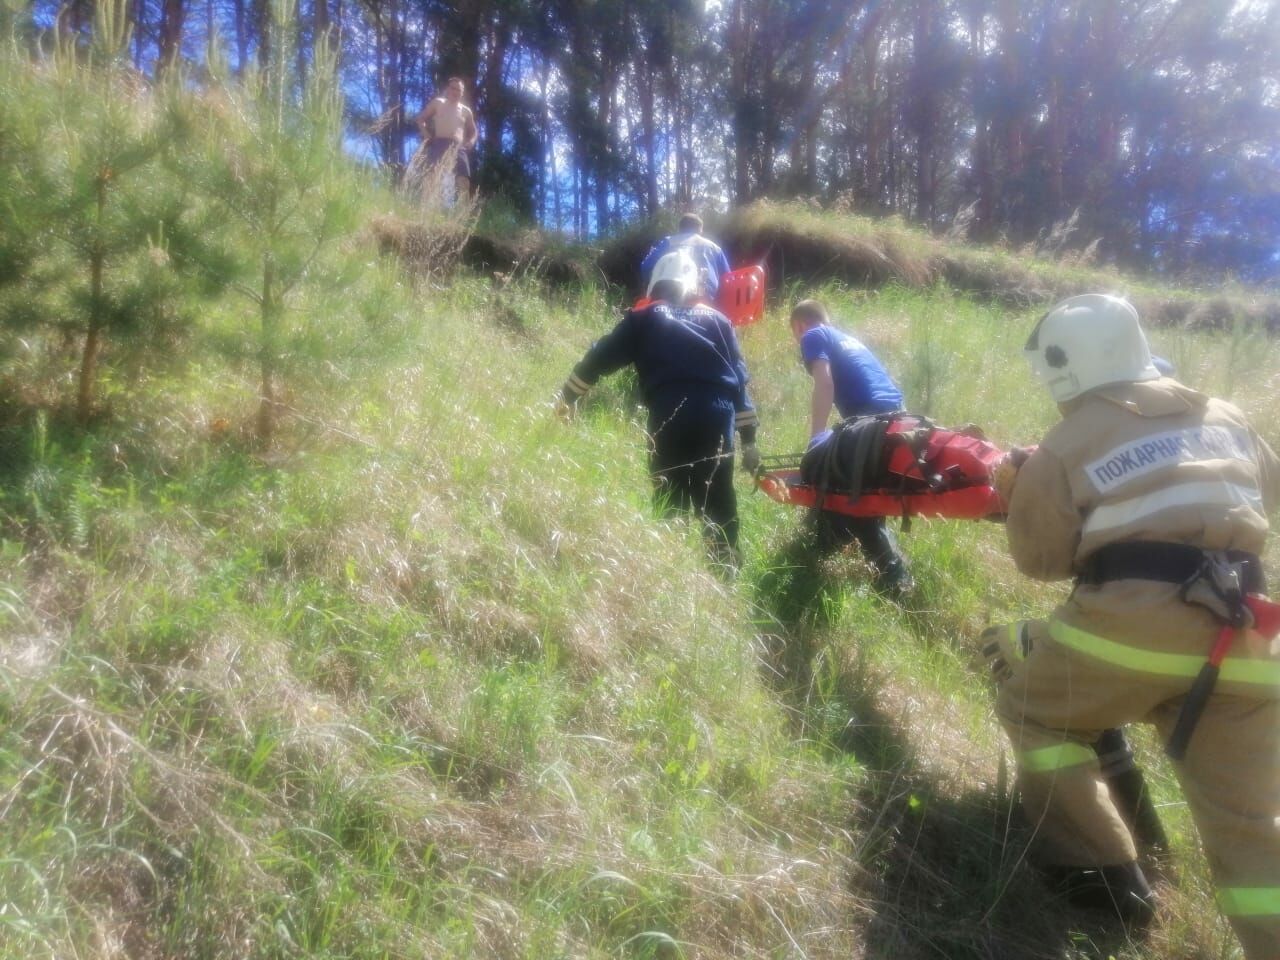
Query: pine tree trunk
{"points": [[93, 336], [644, 80], [871, 173], [984, 212], [1108, 72], [1056, 133], [548, 145], [984, 181], [1015, 119], [266, 423], [262, 24], [301, 50], [321, 23], [138, 19], [92, 344], [602, 159], [242, 35], [492, 100], [737, 43], [172, 17], [392, 93], [925, 109]]}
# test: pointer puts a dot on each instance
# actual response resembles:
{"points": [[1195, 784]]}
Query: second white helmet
{"points": [[1089, 341], [679, 268]]}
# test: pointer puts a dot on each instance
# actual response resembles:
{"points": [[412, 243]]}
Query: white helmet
{"points": [[1086, 342], [679, 268]]}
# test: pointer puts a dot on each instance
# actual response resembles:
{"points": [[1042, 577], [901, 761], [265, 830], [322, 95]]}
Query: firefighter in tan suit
{"points": [[1142, 482]]}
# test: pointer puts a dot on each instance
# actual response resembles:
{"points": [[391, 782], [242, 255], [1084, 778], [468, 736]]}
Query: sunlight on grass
{"points": [[429, 678]]}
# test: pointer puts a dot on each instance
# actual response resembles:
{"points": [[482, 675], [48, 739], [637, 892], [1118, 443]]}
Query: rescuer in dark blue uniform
{"points": [[694, 383]]}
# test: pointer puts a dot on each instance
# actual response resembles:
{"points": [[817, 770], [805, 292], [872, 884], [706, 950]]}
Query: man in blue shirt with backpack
{"points": [[706, 255]]}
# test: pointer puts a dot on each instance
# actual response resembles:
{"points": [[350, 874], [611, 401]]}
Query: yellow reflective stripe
{"points": [[1250, 901], [1132, 658], [1063, 755], [1015, 640], [1234, 669]]}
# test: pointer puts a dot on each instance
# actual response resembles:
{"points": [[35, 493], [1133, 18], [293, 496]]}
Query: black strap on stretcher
{"points": [[856, 451]]}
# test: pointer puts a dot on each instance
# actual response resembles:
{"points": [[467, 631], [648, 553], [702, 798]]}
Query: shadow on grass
{"points": [[944, 867]]}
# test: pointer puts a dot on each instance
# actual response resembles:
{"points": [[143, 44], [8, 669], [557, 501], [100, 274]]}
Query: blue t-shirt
{"points": [[862, 384]]}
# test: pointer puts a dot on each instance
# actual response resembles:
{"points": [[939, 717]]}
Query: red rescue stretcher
{"points": [[925, 471], [741, 295], [740, 298]]}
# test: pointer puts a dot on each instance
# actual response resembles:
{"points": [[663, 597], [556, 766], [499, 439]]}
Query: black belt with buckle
{"points": [[1165, 562]]}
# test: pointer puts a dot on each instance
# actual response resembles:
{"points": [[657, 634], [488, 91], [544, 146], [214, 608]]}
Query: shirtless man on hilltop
{"points": [[447, 124]]}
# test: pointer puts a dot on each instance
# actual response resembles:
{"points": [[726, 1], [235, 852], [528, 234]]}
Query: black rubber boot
{"points": [[1121, 889], [896, 582], [1129, 792], [833, 532]]}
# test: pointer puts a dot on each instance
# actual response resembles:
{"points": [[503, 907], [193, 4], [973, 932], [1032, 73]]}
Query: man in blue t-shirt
{"points": [[710, 259], [848, 376], [845, 373]]}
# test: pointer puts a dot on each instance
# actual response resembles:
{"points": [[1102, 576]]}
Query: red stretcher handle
{"points": [[978, 502]]}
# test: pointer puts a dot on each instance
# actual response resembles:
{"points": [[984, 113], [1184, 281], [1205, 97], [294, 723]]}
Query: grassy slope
{"points": [[432, 681]]}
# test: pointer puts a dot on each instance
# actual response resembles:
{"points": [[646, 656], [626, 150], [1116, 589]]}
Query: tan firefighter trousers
{"points": [[1055, 699]]}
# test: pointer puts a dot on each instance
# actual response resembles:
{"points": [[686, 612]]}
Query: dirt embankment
{"points": [[795, 249], [438, 248], [812, 249]]}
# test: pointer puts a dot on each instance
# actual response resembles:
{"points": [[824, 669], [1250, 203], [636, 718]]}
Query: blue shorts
{"points": [[439, 148]]}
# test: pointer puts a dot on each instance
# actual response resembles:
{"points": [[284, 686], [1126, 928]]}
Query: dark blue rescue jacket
{"points": [[687, 360]]}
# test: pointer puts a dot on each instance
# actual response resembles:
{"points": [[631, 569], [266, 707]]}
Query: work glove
{"points": [[1005, 474], [751, 459]]}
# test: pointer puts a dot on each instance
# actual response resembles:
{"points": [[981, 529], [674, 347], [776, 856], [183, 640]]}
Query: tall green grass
{"points": [[428, 677], [432, 679]]}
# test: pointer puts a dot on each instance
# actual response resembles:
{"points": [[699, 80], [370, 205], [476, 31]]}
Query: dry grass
{"points": [[435, 682]]}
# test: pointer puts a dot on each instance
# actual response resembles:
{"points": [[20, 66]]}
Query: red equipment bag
{"points": [[741, 295], [906, 467], [740, 298]]}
